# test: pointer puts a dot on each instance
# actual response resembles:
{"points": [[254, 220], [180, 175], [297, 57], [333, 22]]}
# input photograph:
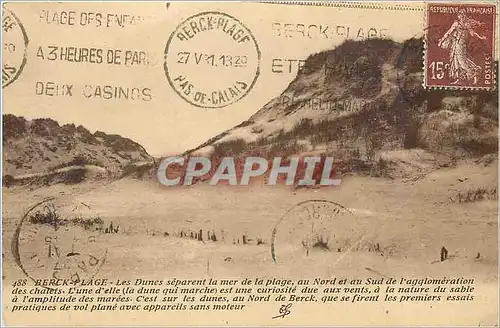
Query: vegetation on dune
{"points": [[408, 119], [50, 216]]}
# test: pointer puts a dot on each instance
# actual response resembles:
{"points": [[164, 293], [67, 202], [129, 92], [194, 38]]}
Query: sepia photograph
{"points": [[318, 163]]}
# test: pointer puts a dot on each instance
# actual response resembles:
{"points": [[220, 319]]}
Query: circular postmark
{"points": [[15, 44], [212, 60], [307, 226], [57, 240], [409, 75]]}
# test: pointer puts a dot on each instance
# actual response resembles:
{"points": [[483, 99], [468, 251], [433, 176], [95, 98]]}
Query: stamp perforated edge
{"points": [[409, 6], [259, 57], [494, 48]]}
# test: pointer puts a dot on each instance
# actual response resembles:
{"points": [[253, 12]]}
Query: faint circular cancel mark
{"points": [[60, 241], [15, 45], [307, 226], [212, 60]]}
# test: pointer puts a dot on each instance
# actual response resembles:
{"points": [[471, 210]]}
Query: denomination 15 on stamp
{"points": [[460, 46]]}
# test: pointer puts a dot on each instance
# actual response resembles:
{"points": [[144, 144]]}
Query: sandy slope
{"points": [[410, 220]]}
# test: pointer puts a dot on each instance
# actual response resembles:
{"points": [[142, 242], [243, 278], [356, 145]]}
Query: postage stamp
{"points": [[231, 72], [460, 41], [14, 47]]}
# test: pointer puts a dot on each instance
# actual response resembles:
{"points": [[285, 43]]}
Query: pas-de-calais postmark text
{"points": [[15, 44], [212, 60], [58, 244], [460, 46]]}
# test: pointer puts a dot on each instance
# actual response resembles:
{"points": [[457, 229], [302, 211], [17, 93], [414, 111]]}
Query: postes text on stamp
{"points": [[14, 43], [460, 41], [201, 72]]}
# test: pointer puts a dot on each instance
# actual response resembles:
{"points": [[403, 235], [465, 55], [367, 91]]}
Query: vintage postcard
{"points": [[250, 163]]}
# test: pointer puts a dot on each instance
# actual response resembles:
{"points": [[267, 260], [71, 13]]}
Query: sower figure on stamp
{"points": [[461, 66]]}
